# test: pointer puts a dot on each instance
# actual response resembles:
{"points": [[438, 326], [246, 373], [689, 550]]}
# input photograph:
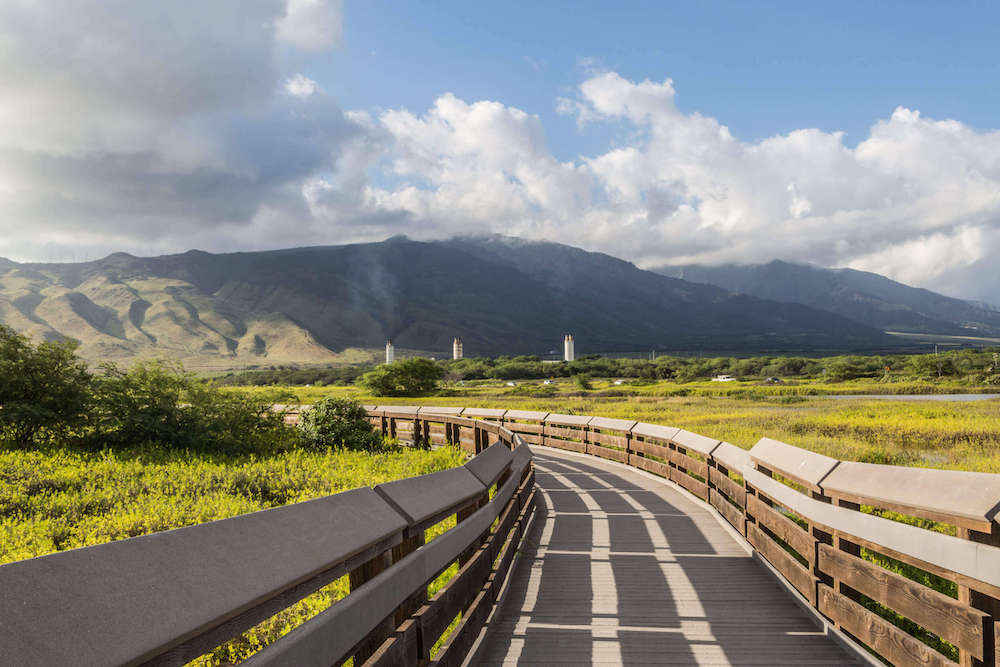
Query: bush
{"points": [[338, 422], [409, 377], [582, 380], [160, 404], [44, 388]]}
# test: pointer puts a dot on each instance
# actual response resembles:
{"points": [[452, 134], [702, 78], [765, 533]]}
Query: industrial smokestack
{"points": [[390, 352], [569, 353], [456, 348]]}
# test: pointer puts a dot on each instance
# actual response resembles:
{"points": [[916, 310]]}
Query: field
{"points": [[57, 499], [60, 498], [938, 434]]}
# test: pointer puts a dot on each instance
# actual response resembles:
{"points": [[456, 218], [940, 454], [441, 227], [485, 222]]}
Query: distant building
{"points": [[456, 348], [569, 353], [390, 352]]}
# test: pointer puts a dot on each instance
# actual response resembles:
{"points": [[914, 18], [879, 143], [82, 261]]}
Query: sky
{"points": [[846, 134]]}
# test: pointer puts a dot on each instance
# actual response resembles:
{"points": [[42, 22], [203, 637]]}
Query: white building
{"points": [[390, 352], [569, 353], [456, 348]]}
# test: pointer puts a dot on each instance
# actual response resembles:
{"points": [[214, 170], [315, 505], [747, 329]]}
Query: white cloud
{"points": [[301, 86], [312, 25], [133, 125]]}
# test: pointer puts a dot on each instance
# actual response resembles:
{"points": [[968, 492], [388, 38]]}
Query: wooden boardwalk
{"points": [[621, 569]]}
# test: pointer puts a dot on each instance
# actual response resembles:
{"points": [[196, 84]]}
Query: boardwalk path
{"points": [[622, 569]]}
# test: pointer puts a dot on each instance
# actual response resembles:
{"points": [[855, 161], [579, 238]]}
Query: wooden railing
{"points": [[911, 594], [166, 598]]}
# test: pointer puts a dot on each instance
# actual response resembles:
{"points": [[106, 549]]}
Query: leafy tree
{"points": [[408, 377], [338, 422], [44, 388], [158, 403]]}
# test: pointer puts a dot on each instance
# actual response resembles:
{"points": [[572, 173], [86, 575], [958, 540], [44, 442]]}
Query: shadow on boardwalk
{"points": [[622, 569]]}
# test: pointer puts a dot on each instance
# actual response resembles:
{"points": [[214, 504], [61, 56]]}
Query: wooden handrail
{"points": [[801, 512], [166, 598]]}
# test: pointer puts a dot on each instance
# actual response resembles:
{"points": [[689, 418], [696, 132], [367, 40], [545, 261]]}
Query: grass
{"points": [[55, 499], [956, 435]]}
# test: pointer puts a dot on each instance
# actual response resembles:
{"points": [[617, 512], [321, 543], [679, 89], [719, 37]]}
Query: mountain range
{"points": [[866, 298], [501, 295]]}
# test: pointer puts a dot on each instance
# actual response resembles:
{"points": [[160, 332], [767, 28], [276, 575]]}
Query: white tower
{"points": [[569, 354], [456, 348], [390, 352]]}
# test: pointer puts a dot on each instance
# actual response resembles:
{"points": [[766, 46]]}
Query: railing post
{"points": [[982, 601], [400, 551], [358, 577]]}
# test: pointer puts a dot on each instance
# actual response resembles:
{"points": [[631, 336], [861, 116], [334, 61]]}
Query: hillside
{"points": [[864, 297], [309, 305]]}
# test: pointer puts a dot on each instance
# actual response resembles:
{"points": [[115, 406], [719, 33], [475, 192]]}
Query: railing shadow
{"points": [[625, 572]]}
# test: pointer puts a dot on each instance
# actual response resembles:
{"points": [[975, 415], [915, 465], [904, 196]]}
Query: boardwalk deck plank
{"points": [[621, 569]]}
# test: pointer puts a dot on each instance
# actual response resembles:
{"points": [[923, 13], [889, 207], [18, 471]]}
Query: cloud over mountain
{"points": [[178, 125]]}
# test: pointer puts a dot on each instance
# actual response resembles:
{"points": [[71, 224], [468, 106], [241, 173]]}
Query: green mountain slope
{"points": [[310, 305], [864, 297]]}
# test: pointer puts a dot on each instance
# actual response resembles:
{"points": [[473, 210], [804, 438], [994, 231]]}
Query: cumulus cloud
{"points": [[918, 200], [159, 124], [312, 25], [174, 125]]}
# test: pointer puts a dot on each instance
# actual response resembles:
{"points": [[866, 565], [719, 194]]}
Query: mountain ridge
{"points": [[316, 304], [862, 296]]}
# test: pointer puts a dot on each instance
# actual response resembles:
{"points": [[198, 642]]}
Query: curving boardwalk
{"points": [[621, 569]]}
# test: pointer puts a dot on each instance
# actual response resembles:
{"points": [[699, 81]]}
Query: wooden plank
{"points": [[400, 649], [435, 617], [649, 465], [732, 457], [729, 486], [692, 465], [971, 500], [532, 439], [958, 623], [805, 467], [783, 527], [572, 433], [699, 443], [654, 431], [791, 569], [651, 449], [608, 453], [608, 439], [461, 639], [882, 636], [570, 445], [699, 489], [732, 514], [964, 562], [518, 427]]}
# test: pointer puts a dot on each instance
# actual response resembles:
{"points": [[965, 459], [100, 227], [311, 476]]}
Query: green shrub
{"points": [[409, 377], [338, 422], [157, 403], [44, 388], [582, 380]]}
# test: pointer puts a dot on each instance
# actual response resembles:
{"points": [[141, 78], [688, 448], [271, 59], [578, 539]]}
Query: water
{"points": [[962, 398]]}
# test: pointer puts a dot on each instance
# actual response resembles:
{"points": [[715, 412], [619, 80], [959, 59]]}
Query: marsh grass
{"points": [[57, 498]]}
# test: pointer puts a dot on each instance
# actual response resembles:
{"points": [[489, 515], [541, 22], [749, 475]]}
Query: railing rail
{"points": [[879, 580], [911, 594], [166, 598]]}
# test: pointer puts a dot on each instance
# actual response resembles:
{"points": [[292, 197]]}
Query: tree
{"points": [[44, 388], [408, 377], [158, 403], [338, 422]]}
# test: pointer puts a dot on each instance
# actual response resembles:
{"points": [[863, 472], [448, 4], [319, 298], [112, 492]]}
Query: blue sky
{"points": [[840, 134], [765, 68]]}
